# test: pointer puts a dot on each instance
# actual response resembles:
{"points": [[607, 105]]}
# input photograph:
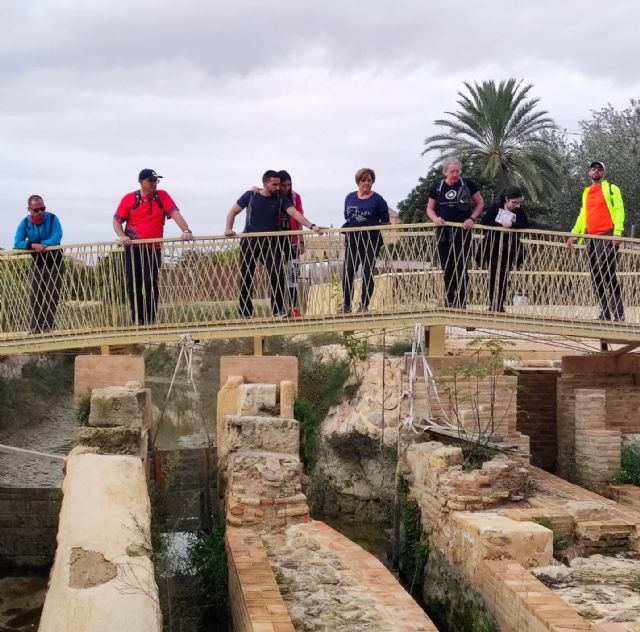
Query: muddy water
{"points": [[21, 601], [50, 434]]}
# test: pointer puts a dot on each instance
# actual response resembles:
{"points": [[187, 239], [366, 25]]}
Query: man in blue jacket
{"points": [[38, 232]]}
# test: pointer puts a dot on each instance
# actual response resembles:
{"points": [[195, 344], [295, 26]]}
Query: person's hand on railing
{"points": [[438, 221], [468, 223], [229, 233], [187, 235], [570, 242], [125, 240], [38, 247]]}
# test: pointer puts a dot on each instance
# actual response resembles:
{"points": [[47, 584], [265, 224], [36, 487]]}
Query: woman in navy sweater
{"points": [[363, 207]]}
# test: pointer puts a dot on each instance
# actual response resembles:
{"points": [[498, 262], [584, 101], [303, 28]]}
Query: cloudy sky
{"points": [[210, 94]]}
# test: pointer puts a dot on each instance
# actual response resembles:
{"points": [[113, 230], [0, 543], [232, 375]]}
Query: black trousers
{"points": [[361, 251], [503, 249], [142, 266], [271, 253], [602, 257], [45, 281], [499, 268], [454, 250]]}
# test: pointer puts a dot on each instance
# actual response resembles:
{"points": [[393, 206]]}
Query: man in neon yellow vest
{"points": [[602, 213]]}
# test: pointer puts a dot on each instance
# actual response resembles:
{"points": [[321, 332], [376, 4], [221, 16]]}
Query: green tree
{"points": [[613, 136], [499, 130]]}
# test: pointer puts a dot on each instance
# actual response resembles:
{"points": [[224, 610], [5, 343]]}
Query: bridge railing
{"points": [[78, 295]]}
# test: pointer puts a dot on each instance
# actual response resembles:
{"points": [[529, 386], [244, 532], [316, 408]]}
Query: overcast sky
{"points": [[211, 94]]}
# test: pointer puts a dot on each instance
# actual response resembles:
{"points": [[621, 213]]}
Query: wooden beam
{"points": [[626, 348]]}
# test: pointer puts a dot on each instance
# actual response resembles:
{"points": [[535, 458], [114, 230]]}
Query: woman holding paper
{"points": [[502, 249]]}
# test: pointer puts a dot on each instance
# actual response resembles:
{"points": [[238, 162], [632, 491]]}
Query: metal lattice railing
{"points": [[102, 293]]}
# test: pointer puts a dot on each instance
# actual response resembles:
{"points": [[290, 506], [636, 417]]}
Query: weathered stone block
{"points": [[287, 399], [254, 399], [587, 511], [444, 458], [111, 440], [486, 536], [120, 406], [269, 434]]}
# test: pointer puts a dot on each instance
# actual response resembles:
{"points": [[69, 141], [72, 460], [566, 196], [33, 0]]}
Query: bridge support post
{"points": [[105, 350], [258, 345], [434, 340]]}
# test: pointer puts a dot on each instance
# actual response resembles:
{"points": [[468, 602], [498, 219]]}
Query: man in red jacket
{"points": [[144, 213]]}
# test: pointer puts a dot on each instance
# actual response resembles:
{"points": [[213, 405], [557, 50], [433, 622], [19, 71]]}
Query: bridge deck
{"points": [[551, 292]]}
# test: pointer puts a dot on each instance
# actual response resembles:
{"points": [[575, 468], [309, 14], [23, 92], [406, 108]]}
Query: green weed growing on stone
{"points": [[629, 472], [83, 409], [414, 550], [399, 348], [208, 557], [320, 386]]}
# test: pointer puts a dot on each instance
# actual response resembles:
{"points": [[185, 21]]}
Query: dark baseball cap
{"points": [[148, 174], [596, 163]]}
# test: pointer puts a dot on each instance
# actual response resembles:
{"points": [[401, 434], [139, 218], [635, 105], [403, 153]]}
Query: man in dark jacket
{"points": [[39, 232], [264, 212]]}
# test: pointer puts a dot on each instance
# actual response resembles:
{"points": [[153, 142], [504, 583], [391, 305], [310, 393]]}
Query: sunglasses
{"points": [[597, 168], [40, 209]]}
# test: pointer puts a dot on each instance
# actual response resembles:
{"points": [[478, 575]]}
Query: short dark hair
{"points": [[284, 175], [361, 173], [32, 198], [511, 193], [268, 174]]}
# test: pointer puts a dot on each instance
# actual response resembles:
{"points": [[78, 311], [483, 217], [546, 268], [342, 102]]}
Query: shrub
{"points": [[629, 472], [208, 557]]}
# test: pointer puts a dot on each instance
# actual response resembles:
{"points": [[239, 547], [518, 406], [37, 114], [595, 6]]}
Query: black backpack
{"points": [[156, 199], [464, 201]]}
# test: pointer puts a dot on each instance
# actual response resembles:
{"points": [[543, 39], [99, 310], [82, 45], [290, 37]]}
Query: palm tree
{"points": [[499, 131]]}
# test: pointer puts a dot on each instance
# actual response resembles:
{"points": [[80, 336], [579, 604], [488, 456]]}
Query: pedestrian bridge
{"points": [[551, 292]]}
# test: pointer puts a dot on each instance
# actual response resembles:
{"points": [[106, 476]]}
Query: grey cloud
{"points": [[244, 37]]}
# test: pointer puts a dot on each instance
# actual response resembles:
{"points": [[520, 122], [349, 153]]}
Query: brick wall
{"points": [[597, 449], [536, 416], [255, 600], [28, 527], [521, 603], [622, 394]]}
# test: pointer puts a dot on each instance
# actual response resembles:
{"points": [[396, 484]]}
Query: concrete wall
{"points": [[103, 578], [28, 527]]}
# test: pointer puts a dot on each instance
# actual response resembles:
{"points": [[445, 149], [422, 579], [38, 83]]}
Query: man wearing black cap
{"points": [[602, 213], [144, 213]]}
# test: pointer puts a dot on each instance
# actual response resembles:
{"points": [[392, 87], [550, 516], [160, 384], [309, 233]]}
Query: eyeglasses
{"points": [[597, 168], [40, 209], [152, 180]]}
